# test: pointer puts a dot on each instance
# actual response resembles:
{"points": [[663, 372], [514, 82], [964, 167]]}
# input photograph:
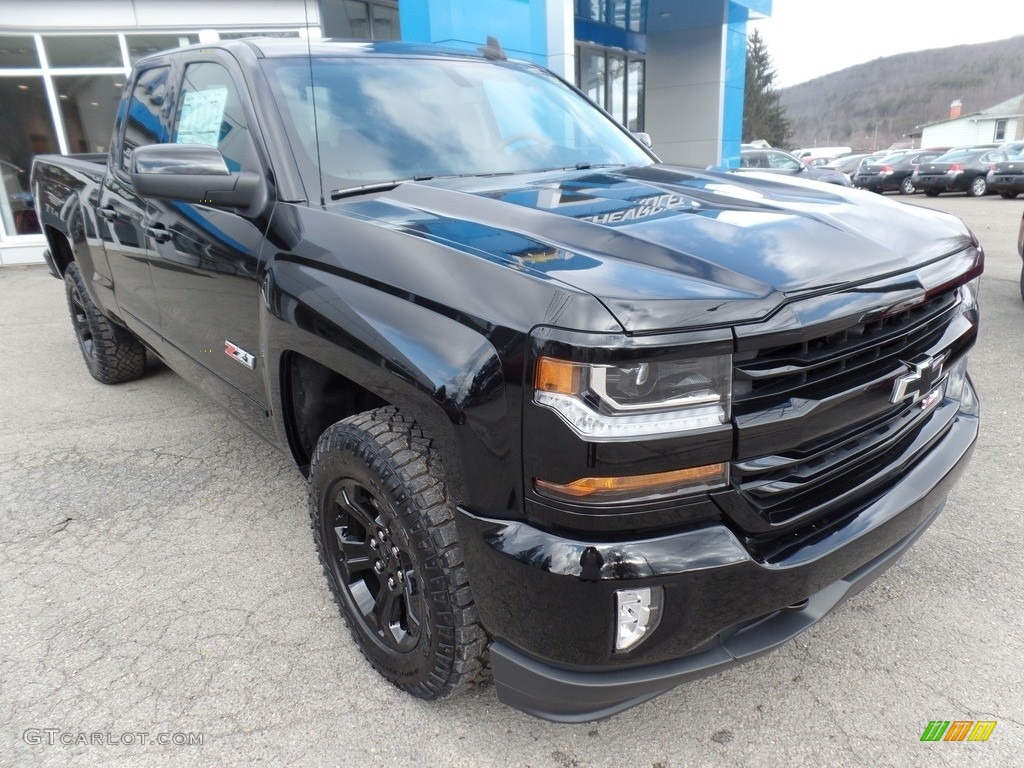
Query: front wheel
{"points": [[1009, 195], [384, 527], [907, 186], [111, 353], [978, 187], [932, 192]]}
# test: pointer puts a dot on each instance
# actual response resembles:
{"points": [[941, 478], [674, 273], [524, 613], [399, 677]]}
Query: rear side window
{"points": [[144, 123], [211, 113]]}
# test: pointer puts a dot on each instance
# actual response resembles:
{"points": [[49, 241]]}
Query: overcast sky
{"points": [[810, 38]]}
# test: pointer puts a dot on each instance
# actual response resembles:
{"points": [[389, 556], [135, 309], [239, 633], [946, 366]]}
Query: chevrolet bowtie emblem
{"points": [[925, 373]]}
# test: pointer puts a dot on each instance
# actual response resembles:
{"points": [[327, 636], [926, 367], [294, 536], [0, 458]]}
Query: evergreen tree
{"points": [[764, 117]]}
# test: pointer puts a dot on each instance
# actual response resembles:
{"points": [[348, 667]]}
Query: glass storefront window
{"points": [[144, 45], [18, 52], [258, 33], [360, 20], [592, 75], [635, 96], [624, 14], [636, 16], [83, 51], [25, 131], [385, 23], [346, 19], [87, 105], [617, 86], [615, 81]]}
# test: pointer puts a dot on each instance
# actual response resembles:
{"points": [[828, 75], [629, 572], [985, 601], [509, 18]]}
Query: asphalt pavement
{"points": [[161, 602]]}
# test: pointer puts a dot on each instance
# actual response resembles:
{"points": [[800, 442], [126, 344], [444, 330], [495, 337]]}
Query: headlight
{"points": [[969, 294], [638, 400]]}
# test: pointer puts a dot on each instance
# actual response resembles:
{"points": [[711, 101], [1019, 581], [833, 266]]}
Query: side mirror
{"points": [[643, 138], [192, 173]]}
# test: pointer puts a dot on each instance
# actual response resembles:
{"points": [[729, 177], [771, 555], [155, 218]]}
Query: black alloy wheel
{"points": [[374, 567], [384, 525], [111, 353]]}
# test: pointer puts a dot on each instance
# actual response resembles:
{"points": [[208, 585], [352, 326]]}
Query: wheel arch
{"points": [[363, 348]]}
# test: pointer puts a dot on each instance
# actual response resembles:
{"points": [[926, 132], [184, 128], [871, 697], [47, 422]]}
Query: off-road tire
{"points": [[112, 354], [379, 507], [907, 186], [978, 188]]}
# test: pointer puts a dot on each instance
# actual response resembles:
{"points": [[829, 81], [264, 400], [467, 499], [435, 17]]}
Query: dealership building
{"points": [[671, 68]]}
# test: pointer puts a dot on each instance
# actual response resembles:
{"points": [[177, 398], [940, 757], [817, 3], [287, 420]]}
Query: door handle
{"points": [[107, 213], [159, 232]]}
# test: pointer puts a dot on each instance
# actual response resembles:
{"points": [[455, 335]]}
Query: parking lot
{"points": [[162, 603]]}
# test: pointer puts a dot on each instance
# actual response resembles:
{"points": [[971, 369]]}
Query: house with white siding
{"points": [[998, 124]]}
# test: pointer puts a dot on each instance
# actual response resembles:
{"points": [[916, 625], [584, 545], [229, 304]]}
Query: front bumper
{"points": [[548, 600]]}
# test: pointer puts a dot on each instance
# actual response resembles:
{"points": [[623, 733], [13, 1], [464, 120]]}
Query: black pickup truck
{"points": [[572, 418]]}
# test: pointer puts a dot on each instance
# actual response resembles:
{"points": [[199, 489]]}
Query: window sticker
{"points": [[202, 113]]}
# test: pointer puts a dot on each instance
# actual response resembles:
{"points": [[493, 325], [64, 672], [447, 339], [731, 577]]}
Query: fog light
{"points": [[638, 612]]}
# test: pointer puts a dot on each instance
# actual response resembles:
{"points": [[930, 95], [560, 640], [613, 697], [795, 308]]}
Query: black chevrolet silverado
{"points": [[572, 418]]}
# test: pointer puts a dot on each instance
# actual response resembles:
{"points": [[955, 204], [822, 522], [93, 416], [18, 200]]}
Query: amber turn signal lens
{"points": [[660, 483], [558, 376]]}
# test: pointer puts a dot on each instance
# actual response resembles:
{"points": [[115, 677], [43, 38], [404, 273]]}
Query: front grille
{"points": [[831, 474], [854, 443], [824, 365]]}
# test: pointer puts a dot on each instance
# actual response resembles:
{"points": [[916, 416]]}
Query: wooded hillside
{"points": [[876, 104]]}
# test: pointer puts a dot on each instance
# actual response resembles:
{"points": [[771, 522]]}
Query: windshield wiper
{"points": [[377, 186], [364, 189]]}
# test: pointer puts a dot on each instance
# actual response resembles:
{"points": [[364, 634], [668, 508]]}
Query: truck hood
{"points": [[666, 248]]}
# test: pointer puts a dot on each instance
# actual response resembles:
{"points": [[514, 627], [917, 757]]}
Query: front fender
{"points": [[448, 375]]}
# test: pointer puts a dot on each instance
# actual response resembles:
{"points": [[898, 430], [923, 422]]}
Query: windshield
{"points": [[386, 119]]}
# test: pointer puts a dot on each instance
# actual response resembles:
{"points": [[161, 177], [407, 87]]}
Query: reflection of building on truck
{"points": [[19, 214], [572, 418]]}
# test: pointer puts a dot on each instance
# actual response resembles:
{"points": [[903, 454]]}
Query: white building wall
{"points": [[957, 133], [123, 15]]}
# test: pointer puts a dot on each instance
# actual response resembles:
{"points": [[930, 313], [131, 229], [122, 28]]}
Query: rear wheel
{"points": [[978, 187], [111, 353], [1009, 195], [384, 527], [907, 186]]}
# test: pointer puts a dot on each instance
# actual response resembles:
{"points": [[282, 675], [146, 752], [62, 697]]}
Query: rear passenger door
{"points": [[206, 260]]}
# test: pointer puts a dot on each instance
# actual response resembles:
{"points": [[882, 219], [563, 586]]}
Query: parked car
{"points": [[1007, 177], [1012, 147], [777, 161], [800, 154], [959, 170], [847, 164], [893, 173]]}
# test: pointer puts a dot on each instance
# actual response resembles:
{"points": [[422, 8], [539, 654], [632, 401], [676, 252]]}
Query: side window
{"points": [[210, 112], [144, 122], [779, 160]]}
